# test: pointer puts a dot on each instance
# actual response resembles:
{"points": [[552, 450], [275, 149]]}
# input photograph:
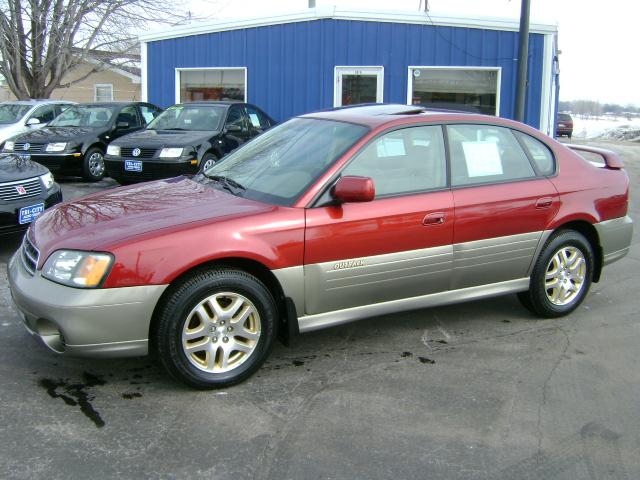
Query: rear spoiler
{"points": [[611, 159]]}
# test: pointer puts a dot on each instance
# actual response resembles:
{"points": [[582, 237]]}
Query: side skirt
{"points": [[310, 323]]}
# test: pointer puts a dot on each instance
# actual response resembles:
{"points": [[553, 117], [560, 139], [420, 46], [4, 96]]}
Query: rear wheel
{"points": [[93, 167], [216, 328], [561, 276]]}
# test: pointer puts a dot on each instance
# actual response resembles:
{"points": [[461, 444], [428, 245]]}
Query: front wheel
{"points": [[216, 328], [207, 161], [93, 168], [561, 276]]}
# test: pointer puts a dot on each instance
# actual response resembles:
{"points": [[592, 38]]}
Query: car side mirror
{"points": [[33, 121], [234, 128], [354, 189], [122, 125]]}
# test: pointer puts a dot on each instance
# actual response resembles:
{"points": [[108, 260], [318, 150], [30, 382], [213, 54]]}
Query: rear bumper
{"points": [[99, 323], [151, 169], [615, 238]]}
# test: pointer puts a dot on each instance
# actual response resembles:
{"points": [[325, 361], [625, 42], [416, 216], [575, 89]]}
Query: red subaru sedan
{"points": [[327, 218]]}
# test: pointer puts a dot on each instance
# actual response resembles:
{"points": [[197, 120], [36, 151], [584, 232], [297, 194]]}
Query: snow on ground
{"points": [[618, 128]]}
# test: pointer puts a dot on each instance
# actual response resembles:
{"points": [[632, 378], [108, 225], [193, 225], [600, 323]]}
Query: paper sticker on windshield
{"points": [[482, 158], [390, 147], [255, 121]]}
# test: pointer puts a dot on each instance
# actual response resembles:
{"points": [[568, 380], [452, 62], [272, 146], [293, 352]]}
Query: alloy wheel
{"points": [[221, 332]]}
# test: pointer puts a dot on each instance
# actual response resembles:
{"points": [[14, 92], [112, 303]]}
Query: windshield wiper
{"points": [[226, 182], [175, 128]]}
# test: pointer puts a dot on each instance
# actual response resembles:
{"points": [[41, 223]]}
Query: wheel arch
{"points": [[591, 234], [287, 316], [95, 144]]}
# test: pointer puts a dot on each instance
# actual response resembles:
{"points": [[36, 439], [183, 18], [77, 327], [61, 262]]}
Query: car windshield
{"points": [[279, 165], [12, 112], [92, 116], [564, 117], [189, 117]]}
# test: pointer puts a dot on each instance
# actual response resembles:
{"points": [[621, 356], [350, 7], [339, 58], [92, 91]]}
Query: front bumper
{"points": [[111, 322], [59, 162], [9, 210], [152, 169]]}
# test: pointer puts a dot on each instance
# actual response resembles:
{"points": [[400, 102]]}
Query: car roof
{"points": [[35, 102], [214, 102], [374, 115]]}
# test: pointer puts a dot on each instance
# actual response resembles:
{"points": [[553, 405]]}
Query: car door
{"points": [[396, 246], [502, 205], [44, 114], [236, 130], [258, 121], [148, 113], [127, 121]]}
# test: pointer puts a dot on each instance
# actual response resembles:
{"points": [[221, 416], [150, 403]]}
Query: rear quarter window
{"points": [[539, 153]]}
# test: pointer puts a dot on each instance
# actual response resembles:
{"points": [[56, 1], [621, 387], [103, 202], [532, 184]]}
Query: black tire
{"points": [[207, 157], [93, 168], [179, 307], [538, 298]]}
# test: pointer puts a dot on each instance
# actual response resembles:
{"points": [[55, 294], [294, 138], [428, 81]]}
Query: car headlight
{"points": [[171, 152], [113, 150], [8, 146], [77, 269], [56, 147], [47, 180]]}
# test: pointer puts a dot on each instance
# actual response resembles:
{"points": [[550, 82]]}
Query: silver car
{"points": [[23, 115]]}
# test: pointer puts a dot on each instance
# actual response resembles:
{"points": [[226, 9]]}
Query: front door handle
{"points": [[544, 202], [437, 218]]}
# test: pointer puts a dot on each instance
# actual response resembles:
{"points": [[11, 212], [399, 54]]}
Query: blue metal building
{"points": [[320, 58]]}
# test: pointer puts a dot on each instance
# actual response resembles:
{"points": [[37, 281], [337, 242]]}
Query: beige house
{"points": [[112, 83]]}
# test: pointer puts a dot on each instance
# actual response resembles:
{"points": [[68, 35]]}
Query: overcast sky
{"points": [[598, 39]]}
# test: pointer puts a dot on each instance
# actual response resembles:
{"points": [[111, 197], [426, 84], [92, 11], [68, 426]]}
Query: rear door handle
{"points": [[437, 218], [544, 202]]}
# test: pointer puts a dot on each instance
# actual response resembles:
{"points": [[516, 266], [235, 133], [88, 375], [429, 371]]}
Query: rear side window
{"points": [[403, 161], [539, 152], [257, 118], [486, 154]]}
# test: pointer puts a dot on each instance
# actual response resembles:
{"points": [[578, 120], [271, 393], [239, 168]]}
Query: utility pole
{"points": [[523, 56]]}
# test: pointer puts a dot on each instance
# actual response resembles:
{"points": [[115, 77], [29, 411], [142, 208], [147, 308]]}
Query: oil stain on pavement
{"points": [[76, 394]]}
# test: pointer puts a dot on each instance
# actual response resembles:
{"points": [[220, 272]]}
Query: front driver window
{"points": [[130, 116], [403, 161]]}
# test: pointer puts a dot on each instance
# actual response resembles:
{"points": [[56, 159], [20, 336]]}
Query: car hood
{"points": [[106, 219], [13, 167], [164, 138], [58, 134]]}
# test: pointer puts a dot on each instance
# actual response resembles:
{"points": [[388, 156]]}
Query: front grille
{"points": [[31, 187], [29, 255], [144, 152], [32, 147]]}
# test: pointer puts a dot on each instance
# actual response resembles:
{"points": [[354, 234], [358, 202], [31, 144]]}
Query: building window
{"points": [[211, 84], [471, 89], [103, 92], [355, 85]]}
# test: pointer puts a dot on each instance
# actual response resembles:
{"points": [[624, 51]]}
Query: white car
{"points": [[23, 115]]}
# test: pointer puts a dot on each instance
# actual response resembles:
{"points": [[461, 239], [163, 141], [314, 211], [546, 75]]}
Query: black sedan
{"points": [[26, 190], [75, 141], [184, 138]]}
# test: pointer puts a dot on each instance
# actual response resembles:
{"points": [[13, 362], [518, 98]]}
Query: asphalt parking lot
{"points": [[481, 390]]}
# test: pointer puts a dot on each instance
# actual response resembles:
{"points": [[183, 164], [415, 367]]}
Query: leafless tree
{"points": [[41, 41]]}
